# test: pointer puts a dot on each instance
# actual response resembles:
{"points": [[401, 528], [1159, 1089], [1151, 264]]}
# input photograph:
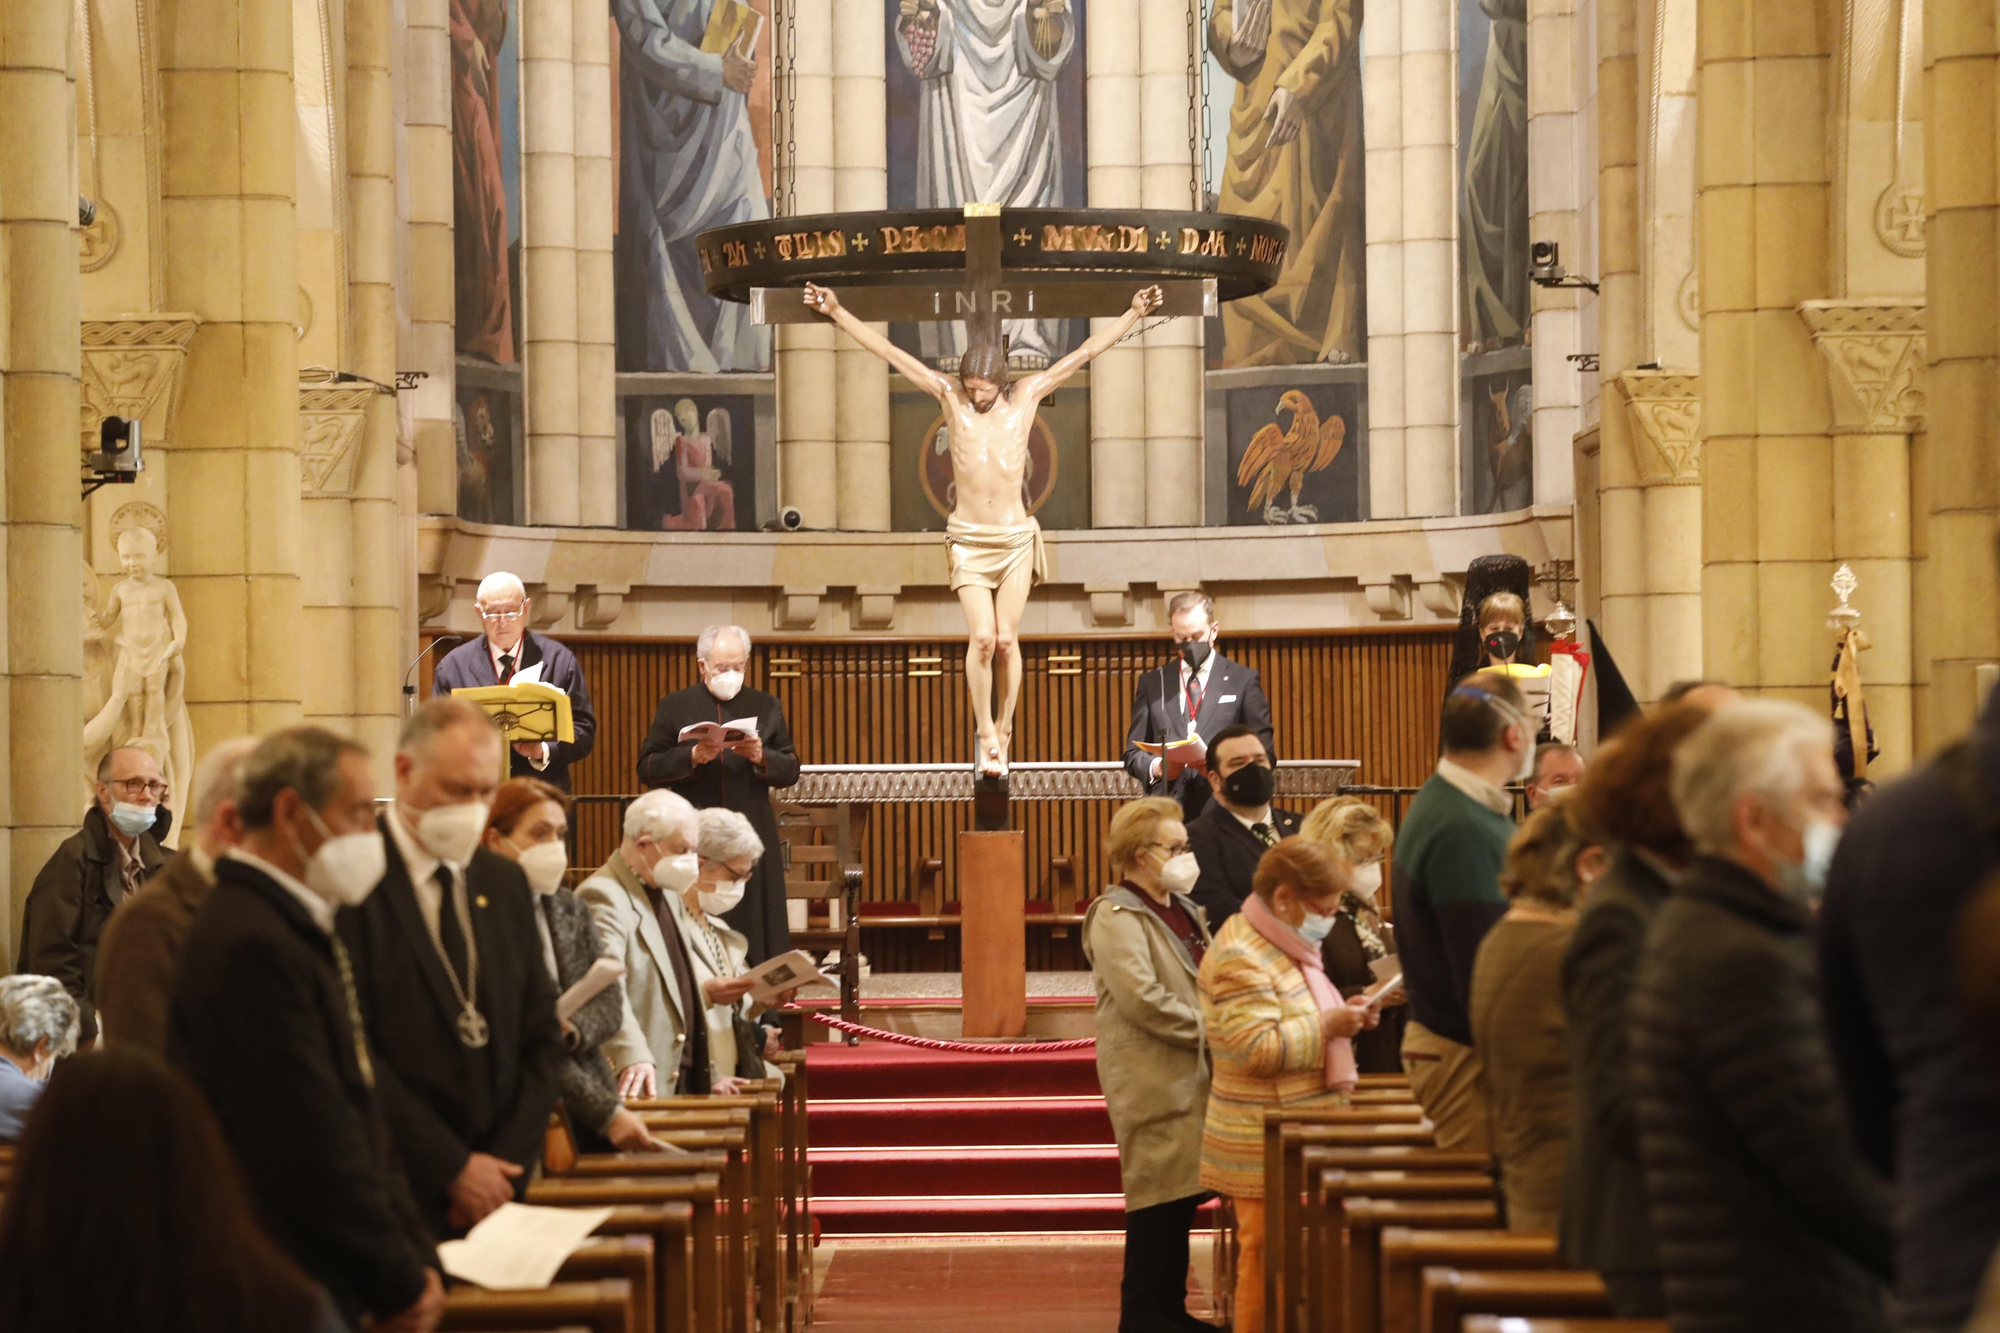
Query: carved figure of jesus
{"points": [[993, 545]]}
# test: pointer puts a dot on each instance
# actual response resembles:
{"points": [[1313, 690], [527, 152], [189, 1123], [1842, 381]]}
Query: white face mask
{"points": [[544, 864], [719, 898], [1368, 880], [1179, 873], [724, 684], [451, 832], [673, 874], [347, 866]]}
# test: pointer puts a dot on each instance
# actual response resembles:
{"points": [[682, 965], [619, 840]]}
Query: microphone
{"points": [[448, 642]]}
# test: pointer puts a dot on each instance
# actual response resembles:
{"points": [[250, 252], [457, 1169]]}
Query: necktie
{"points": [[1194, 693], [1265, 834], [506, 667], [449, 933]]}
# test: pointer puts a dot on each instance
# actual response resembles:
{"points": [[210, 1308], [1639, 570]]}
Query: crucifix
{"points": [[994, 546]]}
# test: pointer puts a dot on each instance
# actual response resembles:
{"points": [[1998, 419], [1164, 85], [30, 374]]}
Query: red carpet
{"points": [[908, 1141]]}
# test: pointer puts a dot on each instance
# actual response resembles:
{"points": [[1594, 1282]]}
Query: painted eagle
{"points": [[1279, 460]]}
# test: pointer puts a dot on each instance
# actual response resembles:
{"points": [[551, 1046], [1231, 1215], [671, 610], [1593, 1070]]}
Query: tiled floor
{"points": [[1056, 1284]]}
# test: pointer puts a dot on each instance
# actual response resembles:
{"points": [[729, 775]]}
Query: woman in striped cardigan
{"points": [[1279, 1033]]}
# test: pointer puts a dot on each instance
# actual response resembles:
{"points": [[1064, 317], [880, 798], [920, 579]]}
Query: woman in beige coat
{"points": [[1145, 939]]}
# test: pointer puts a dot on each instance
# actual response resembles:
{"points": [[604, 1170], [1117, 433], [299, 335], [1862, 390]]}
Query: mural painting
{"points": [[486, 419], [486, 177], [690, 462], [694, 93], [1285, 131], [1291, 454]]}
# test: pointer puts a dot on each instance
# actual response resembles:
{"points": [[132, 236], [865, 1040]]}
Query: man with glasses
{"points": [[93, 871], [507, 652]]}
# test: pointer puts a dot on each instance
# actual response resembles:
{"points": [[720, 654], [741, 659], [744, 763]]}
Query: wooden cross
{"points": [[987, 293]]}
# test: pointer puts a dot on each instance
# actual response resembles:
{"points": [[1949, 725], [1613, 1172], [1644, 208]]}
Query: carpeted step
{"points": [[961, 1171], [881, 1070], [945, 1121], [903, 1214]]}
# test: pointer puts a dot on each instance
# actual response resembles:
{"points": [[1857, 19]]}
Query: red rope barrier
{"points": [[962, 1047]]}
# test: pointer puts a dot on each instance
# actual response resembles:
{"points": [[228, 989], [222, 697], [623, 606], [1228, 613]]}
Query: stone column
{"points": [[1961, 64], [1382, 137], [428, 289], [1168, 171], [231, 259], [374, 573], [860, 182], [41, 559], [808, 459], [1117, 378], [548, 260], [596, 295], [1552, 209], [1653, 551], [1430, 258], [1874, 354], [1764, 246]]}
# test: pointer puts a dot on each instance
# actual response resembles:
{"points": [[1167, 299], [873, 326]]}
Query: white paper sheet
{"points": [[519, 1247], [528, 675], [785, 972], [602, 973]]}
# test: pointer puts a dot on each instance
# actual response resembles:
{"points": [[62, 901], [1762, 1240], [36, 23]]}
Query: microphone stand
{"points": [[409, 683]]}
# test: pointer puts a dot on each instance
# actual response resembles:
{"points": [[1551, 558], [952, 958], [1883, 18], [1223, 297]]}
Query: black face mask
{"points": [[1503, 644], [1194, 652], [1250, 786]]}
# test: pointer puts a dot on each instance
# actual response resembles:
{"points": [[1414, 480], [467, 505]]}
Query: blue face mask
{"points": [[1315, 927], [132, 820]]}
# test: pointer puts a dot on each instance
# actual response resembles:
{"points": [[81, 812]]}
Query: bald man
{"points": [[507, 652]]}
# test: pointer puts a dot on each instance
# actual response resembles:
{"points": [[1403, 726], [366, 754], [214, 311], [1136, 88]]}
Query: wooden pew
{"points": [[727, 1165], [601, 1307], [1321, 1293], [670, 1226], [699, 1192], [1492, 1323], [1401, 1254], [1317, 1158], [1286, 1132], [1499, 1323], [629, 1259], [795, 1189], [1450, 1294], [1362, 1224]]}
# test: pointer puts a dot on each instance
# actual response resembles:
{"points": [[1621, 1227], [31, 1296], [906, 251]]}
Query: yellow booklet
{"points": [[731, 22]]}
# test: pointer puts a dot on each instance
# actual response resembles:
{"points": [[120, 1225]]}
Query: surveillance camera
{"points": [[1545, 262], [118, 449], [790, 519], [86, 211]]}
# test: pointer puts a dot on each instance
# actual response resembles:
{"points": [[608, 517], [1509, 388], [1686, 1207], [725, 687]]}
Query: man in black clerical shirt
{"points": [[1198, 689], [737, 776], [449, 965], [1240, 824]]}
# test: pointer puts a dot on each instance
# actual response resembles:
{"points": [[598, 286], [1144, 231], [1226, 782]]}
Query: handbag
{"points": [[749, 1047]]}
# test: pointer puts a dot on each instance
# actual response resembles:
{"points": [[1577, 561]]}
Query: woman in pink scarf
{"points": [[1279, 1034]]}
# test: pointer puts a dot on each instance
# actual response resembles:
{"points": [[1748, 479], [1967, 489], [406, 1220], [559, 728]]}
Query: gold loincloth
{"points": [[983, 555]]}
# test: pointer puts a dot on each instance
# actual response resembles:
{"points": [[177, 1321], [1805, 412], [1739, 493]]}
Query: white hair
{"points": [[659, 813], [499, 583], [1744, 749], [705, 645], [36, 1009], [728, 836], [219, 777]]}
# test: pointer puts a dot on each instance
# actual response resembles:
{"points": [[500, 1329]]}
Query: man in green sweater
{"points": [[1447, 895]]}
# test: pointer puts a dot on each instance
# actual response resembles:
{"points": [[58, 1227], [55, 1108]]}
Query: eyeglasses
{"points": [[502, 617], [1172, 848], [139, 787]]}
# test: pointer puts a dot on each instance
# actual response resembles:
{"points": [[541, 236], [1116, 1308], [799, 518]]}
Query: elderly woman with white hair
{"points": [[1768, 1218], [724, 745], [507, 652], [729, 850], [39, 1022], [635, 899]]}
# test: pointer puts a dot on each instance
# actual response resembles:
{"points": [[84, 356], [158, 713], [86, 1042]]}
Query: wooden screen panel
{"points": [[1372, 697]]}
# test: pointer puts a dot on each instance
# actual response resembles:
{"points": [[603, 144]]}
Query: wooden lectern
{"points": [[993, 932], [528, 712]]}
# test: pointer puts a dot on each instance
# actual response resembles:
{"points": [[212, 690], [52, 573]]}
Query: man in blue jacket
{"points": [[509, 653]]}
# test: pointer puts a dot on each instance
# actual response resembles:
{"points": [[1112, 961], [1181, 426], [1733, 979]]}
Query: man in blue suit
{"points": [[509, 653]]}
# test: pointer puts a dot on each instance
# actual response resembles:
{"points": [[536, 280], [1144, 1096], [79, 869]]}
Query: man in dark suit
{"points": [[1240, 824], [509, 653], [264, 1019], [1198, 683], [93, 871], [449, 965], [737, 777]]}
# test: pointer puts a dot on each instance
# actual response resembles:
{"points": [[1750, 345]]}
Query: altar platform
{"points": [[1061, 1005]]}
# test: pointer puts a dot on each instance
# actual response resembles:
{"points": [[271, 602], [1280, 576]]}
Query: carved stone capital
{"points": [[1389, 601], [132, 369], [599, 605], [331, 419], [1874, 351], [875, 605], [1664, 407], [548, 603], [1110, 603], [796, 607]]}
